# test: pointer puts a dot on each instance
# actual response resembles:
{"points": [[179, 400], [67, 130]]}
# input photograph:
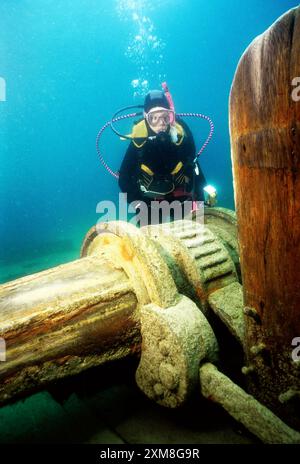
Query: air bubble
{"points": [[135, 83], [145, 47]]}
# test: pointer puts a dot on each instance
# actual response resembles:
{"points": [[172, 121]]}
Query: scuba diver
{"points": [[160, 164]]}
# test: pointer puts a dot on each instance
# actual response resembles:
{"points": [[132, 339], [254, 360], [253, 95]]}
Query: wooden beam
{"points": [[265, 141]]}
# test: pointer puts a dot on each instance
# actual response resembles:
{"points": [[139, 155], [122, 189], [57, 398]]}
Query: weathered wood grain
{"points": [[265, 141]]}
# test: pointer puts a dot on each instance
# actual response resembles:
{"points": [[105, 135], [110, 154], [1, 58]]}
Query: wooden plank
{"points": [[265, 140]]}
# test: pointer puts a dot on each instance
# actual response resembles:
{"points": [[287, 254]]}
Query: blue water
{"points": [[68, 66]]}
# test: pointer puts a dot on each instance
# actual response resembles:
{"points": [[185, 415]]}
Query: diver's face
{"points": [[158, 119]]}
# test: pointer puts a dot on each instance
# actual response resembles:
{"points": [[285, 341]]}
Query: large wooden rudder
{"points": [[265, 141]]}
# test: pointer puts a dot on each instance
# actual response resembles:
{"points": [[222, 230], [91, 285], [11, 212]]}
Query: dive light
{"points": [[211, 195]]}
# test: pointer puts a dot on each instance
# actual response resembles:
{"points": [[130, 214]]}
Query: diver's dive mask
{"points": [[158, 117]]}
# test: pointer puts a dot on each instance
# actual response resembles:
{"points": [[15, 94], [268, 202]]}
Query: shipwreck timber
{"points": [[111, 304], [265, 143], [81, 314]]}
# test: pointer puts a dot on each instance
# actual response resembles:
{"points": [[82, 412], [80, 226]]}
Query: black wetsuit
{"points": [[161, 155]]}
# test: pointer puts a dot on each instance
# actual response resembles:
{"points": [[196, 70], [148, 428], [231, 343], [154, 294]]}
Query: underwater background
{"points": [[66, 67]]}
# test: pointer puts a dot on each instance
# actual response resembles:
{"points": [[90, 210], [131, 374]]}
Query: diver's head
{"points": [[157, 111]]}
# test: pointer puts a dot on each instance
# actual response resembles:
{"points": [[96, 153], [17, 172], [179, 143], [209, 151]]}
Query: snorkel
{"points": [[171, 103], [173, 131]]}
